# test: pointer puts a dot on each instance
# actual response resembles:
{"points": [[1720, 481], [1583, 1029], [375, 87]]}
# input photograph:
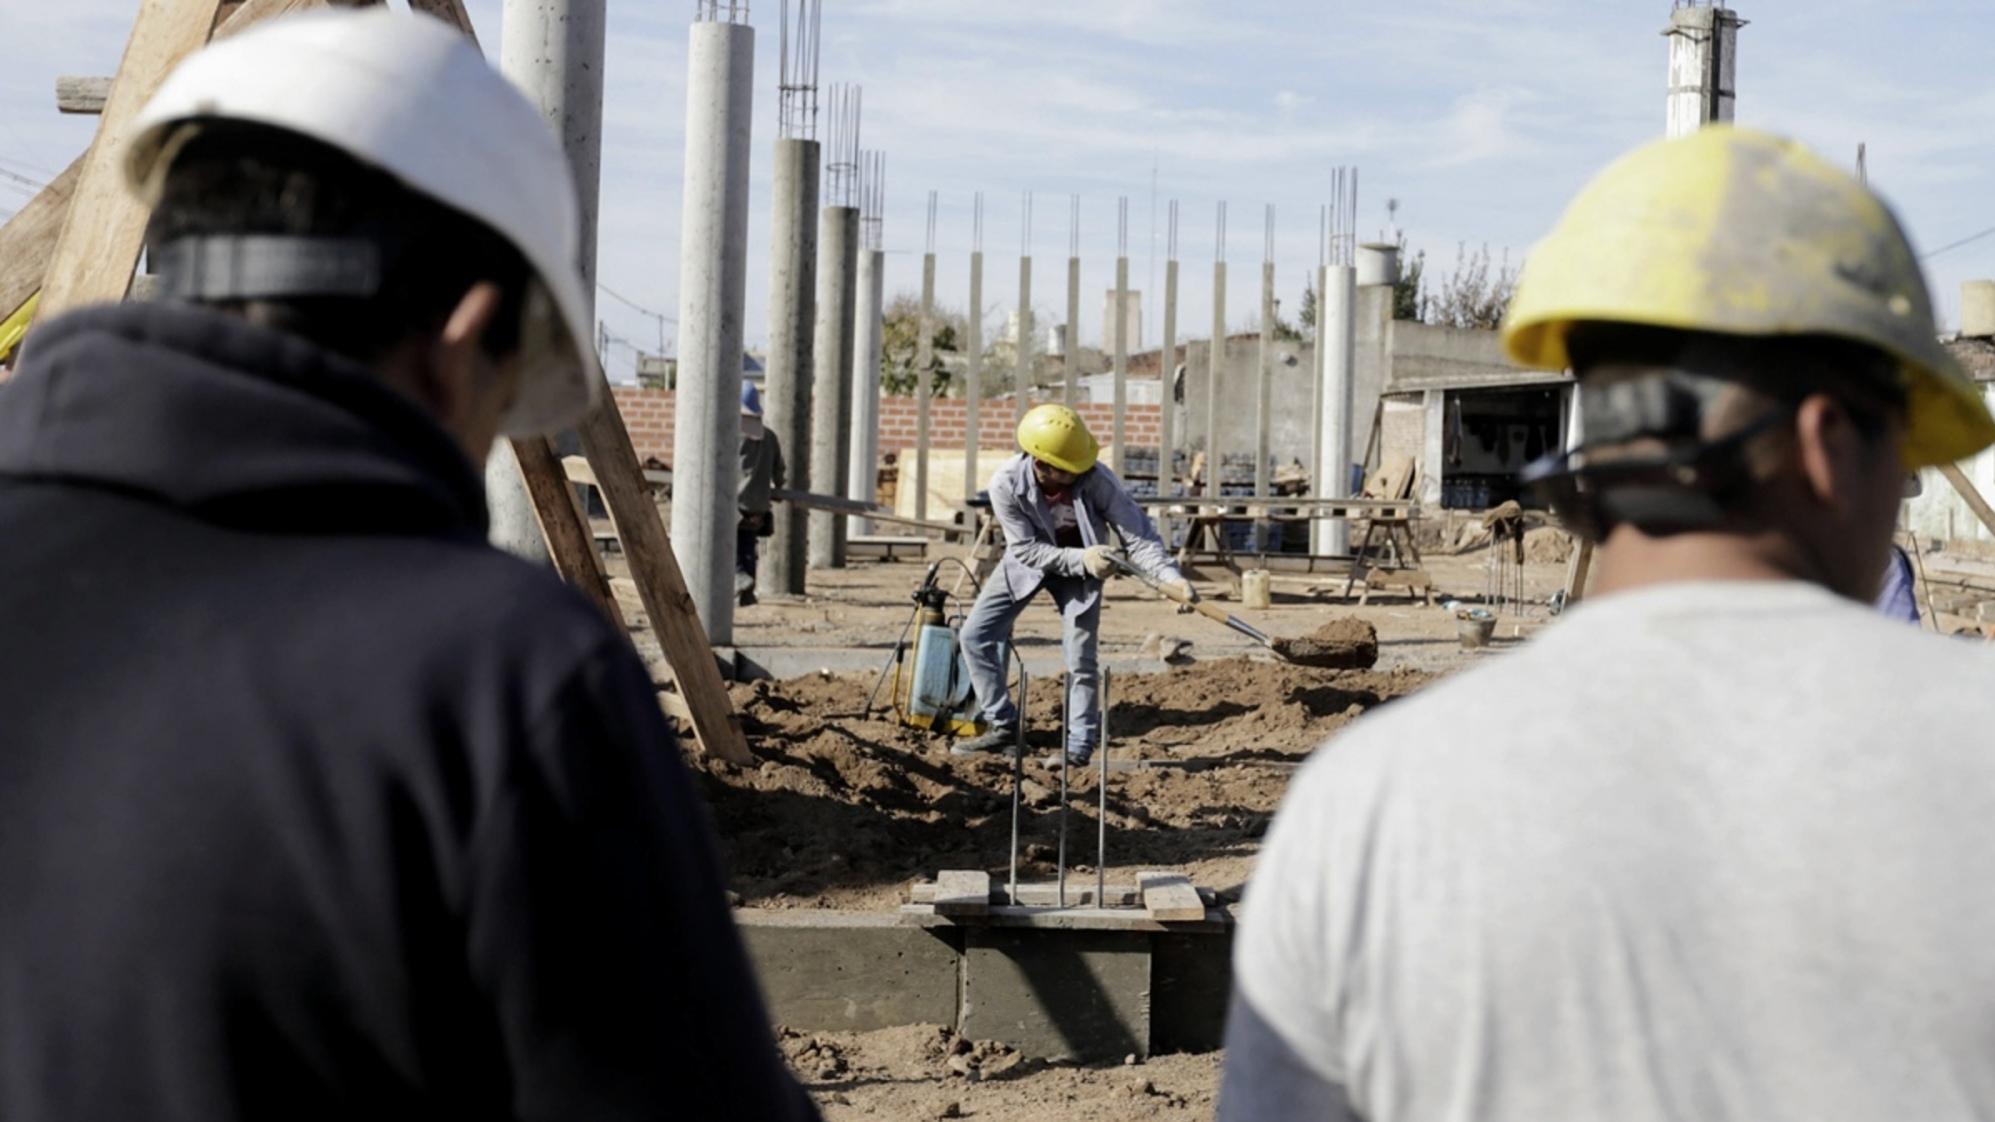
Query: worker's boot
{"points": [[999, 738], [744, 588], [1074, 757]]}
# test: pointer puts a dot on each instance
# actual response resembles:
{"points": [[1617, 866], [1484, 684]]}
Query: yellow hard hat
{"points": [[1734, 231], [1056, 435]]}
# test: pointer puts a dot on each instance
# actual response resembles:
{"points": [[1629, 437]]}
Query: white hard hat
{"points": [[411, 96]]}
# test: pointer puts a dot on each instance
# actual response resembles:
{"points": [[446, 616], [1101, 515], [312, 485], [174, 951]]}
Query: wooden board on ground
{"points": [[962, 892], [1170, 897]]}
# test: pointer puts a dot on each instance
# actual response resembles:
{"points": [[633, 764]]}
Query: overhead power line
{"points": [[1956, 245]]}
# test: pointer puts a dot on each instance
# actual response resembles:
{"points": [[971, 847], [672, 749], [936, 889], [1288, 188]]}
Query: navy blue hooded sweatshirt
{"points": [[312, 804]]}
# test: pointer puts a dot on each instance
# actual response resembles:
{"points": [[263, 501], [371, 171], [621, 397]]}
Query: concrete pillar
{"points": [[1118, 428], [553, 51], [1071, 362], [831, 405], [1703, 48], [713, 284], [1215, 459], [1167, 362], [1336, 319], [973, 380], [792, 322], [862, 471], [924, 388]]}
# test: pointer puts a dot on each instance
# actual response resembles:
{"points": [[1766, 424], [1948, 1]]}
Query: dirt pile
{"points": [[845, 810], [1341, 644], [926, 1071]]}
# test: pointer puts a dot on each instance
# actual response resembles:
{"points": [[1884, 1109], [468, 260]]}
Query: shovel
{"points": [[1302, 652]]}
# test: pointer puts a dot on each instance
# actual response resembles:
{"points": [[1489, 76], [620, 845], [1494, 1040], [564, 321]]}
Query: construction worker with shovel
{"points": [[1058, 507]]}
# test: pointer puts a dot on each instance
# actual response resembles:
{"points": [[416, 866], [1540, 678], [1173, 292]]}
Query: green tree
{"points": [[1307, 317], [1476, 294], [900, 346]]}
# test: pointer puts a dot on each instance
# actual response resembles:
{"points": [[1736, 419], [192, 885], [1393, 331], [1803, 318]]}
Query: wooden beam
{"points": [[449, 11], [653, 565], [661, 584], [1578, 571], [105, 227], [28, 239], [569, 541], [81, 95], [1970, 493], [877, 513]]}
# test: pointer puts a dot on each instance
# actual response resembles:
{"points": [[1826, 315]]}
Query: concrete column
{"points": [[1071, 364], [973, 380], [792, 322], [1703, 48], [1022, 382], [1215, 460], [553, 51], [862, 472], [831, 404], [1336, 319], [1167, 358], [924, 389], [713, 286], [1119, 435]]}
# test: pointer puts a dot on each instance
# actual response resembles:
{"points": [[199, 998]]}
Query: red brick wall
{"points": [[648, 416]]}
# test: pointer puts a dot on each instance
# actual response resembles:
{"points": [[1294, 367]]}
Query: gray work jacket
{"points": [[1100, 501]]}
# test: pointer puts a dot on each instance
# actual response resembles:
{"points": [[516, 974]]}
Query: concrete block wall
{"points": [[648, 415]]}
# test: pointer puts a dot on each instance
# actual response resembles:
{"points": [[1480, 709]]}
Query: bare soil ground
{"points": [[844, 810], [925, 1071]]}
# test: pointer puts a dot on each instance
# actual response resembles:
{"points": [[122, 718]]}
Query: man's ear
{"points": [[1829, 448], [458, 356]]}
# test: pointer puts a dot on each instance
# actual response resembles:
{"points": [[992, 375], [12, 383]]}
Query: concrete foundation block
{"points": [[1191, 980], [842, 971], [1084, 996]]}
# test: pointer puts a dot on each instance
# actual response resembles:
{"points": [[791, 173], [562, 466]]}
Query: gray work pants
{"points": [[989, 627]]}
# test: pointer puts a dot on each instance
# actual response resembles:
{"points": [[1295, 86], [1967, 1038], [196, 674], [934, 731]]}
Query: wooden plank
{"points": [[28, 239], [647, 549], [874, 511], [661, 584], [1578, 571], [962, 892], [569, 541], [449, 11], [1970, 493], [1046, 895], [1170, 897], [75, 94], [105, 227]]}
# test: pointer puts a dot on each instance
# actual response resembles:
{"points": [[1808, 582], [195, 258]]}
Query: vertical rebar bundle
{"points": [[973, 373], [1340, 219], [1022, 384], [796, 89], [1215, 359], [1119, 337], [1167, 366], [1264, 376], [720, 11], [841, 145], [924, 362], [1071, 352], [872, 198]]}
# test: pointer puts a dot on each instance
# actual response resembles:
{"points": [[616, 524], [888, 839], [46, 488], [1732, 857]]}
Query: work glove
{"points": [[1095, 559], [1183, 593]]}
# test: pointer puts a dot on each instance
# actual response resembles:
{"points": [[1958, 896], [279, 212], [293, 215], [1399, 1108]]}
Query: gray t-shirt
{"points": [[1700, 851]]}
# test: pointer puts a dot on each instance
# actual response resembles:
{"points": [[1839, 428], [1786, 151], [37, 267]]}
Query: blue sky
{"points": [[1480, 116]]}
